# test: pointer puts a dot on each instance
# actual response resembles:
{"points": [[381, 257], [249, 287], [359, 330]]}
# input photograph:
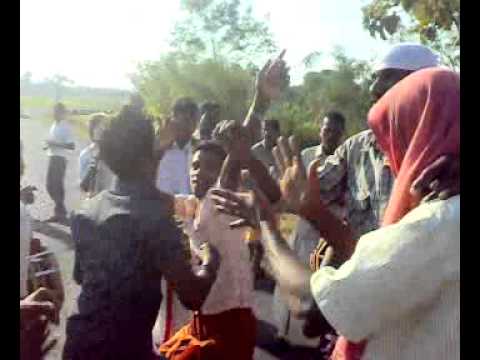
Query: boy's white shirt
{"points": [[234, 286]]}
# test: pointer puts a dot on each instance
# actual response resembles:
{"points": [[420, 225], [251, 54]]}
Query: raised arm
{"points": [[271, 81]]}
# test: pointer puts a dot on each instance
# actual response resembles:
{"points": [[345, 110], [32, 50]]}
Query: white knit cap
{"points": [[408, 56]]}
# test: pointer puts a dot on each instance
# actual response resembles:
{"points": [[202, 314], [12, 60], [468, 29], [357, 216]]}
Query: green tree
{"points": [[434, 22], [161, 82], [344, 88], [216, 47], [58, 82], [219, 30]]}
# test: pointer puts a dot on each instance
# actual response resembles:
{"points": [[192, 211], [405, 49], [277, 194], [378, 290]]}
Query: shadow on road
{"points": [[53, 232]]}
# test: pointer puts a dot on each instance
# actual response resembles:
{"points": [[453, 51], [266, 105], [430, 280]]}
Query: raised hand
{"points": [[240, 205], [165, 136], [273, 78], [249, 207]]}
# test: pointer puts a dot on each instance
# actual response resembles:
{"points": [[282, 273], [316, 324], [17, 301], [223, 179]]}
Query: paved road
{"points": [[33, 133]]}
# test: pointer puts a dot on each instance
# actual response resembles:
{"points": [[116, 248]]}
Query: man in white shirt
{"points": [[59, 143], [176, 153], [95, 176], [173, 177]]}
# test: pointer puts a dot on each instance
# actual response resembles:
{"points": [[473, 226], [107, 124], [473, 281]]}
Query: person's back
{"points": [[126, 240], [402, 287], [116, 238]]}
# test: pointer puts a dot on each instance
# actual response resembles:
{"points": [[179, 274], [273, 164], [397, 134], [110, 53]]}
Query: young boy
{"points": [[95, 176], [230, 301], [59, 143], [126, 241]]}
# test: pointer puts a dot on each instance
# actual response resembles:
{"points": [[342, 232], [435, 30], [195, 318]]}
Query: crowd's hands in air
{"points": [[165, 135], [298, 189], [272, 79], [439, 180], [36, 311]]}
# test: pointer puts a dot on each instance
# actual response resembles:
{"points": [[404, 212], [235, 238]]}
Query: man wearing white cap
{"points": [[401, 61], [358, 175], [357, 172]]}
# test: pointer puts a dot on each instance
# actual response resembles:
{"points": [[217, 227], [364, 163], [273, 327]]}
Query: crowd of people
{"points": [[179, 223]]}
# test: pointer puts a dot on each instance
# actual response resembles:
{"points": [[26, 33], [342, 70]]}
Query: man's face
{"points": [[60, 115], [204, 171], [330, 133], [386, 79], [271, 134], [184, 125]]}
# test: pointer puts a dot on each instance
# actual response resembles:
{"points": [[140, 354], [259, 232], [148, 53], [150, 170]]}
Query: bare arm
{"points": [[191, 286], [291, 274], [271, 81]]}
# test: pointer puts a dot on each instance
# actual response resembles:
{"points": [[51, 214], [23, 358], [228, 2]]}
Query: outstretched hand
{"points": [[297, 188], [165, 135], [273, 78], [248, 207]]}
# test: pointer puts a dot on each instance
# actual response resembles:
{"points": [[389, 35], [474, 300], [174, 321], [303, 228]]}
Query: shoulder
{"points": [[429, 226], [86, 151], [439, 213], [257, 146], [362, 138], [310, 150]]}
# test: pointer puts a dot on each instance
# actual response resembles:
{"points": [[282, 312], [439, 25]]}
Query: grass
{"points": [[42, 106]]}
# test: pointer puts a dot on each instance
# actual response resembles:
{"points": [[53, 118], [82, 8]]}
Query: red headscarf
{"points": [[415, 122]]}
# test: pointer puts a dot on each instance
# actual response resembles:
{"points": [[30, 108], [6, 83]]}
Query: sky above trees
{"points": [[98, 43]]}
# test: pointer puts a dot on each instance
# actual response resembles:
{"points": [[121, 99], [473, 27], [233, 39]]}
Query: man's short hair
{"points": [[185, 106], [209, 106], [60, 108], [273, 123], [213, 147], [337, 117], [127, 138], [94, 120]]}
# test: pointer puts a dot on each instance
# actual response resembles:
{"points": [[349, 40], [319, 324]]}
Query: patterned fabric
{"points": [[358, 174], [125, 239]]}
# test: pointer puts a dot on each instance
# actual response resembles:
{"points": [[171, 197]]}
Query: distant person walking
{"points": [[59, 142], [95, 175]]}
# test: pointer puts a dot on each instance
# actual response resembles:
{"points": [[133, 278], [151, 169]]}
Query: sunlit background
{"points": [[98, 43]]}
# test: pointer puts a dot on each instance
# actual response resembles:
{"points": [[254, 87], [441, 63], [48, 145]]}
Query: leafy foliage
{"points": [[344, 89], [221, 29], [162, 81], [434, 22]]}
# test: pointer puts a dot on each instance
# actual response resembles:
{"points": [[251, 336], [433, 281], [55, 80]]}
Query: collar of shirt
{"points": [[320, 151], [186, 148], [124, 187]]}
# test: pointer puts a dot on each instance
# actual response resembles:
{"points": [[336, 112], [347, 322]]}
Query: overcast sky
{"points": [[97, 43]]}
